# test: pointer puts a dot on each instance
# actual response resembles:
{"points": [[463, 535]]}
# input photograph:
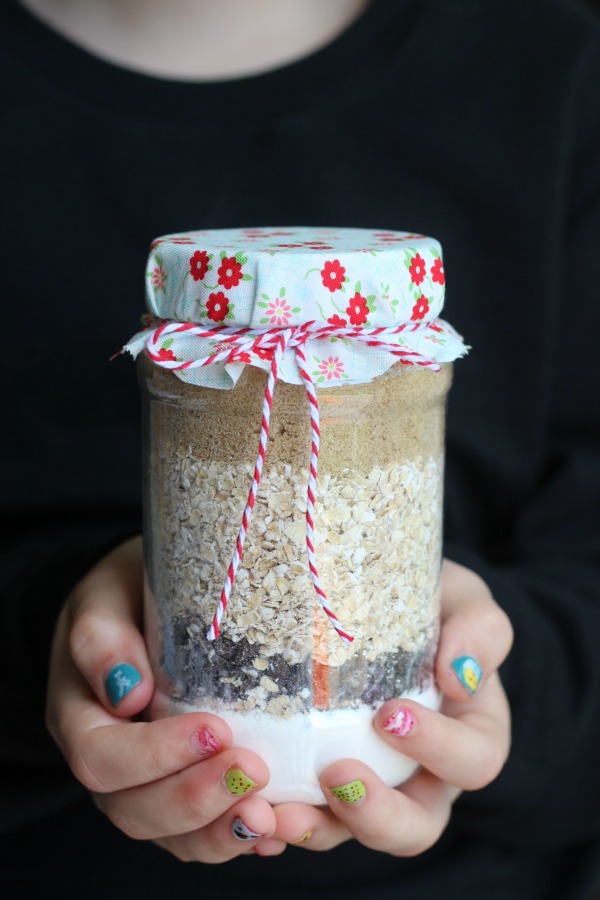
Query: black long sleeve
{"points": [[542, 558]]}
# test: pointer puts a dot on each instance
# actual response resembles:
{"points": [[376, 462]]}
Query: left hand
{"points": [[461, 748]]}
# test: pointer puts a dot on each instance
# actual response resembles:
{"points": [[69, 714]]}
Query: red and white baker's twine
{"points": [[274, 342]]}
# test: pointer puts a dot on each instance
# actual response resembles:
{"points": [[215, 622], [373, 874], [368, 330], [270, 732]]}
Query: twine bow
{"points": [[272, 343]]}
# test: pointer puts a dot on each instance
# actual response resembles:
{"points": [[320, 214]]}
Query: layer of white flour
{"points": [[298, 749]]}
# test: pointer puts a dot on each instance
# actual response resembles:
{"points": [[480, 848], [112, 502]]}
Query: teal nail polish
{"points": [[469, 672], [120, 680]]}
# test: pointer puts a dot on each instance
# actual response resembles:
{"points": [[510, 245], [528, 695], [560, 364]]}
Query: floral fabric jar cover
{"points": [[267, 278]]}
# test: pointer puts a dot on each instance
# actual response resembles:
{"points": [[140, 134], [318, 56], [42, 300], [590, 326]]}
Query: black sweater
{"points": [[475, 121]]}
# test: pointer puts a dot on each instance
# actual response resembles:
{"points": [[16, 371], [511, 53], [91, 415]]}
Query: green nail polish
{"points": [[350, 793], [238, 783]]}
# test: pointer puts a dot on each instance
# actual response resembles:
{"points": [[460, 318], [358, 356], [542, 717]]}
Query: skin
{"points": [[153, 779], [199, 39]]}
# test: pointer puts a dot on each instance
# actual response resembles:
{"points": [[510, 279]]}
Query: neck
{"points": [[199, 39]]}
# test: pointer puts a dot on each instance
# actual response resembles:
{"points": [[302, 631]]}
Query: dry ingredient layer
{"points": [[377, 543], [222, 677]]}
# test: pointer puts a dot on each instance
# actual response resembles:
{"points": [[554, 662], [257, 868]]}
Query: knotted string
{"points": [[272, 344]]}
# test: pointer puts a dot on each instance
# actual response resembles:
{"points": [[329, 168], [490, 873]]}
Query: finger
{"points": [[107, 754], [476, 634], [242, 829], [270, 847], [105, 637], [382, 818], [309, 827], [117, 757], [188, 800], [466, 745]]}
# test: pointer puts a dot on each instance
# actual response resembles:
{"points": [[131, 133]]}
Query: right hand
{"points": [[165, 780]]}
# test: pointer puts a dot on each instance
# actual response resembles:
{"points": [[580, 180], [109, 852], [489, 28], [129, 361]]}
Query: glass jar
{"points": [[279, 674]]}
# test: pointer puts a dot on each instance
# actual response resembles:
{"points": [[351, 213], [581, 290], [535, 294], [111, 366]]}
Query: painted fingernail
{"points": [[301, 840], [242, 832], [351, 792], [469, 672], [237, 783], [120, 680], [204, 742], [400, 723]]}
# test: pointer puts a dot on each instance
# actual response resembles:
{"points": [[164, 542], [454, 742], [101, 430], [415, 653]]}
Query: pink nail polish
{"points": [[400, 723], [204, 742]]}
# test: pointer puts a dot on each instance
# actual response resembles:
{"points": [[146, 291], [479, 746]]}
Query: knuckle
{"points": [[488, 769], [492, 615], [504, 629], [375, 836], [87, 629], [194, 805], [489, 622], [425, 842], [490, 626], [83, 766], [154, 761]]}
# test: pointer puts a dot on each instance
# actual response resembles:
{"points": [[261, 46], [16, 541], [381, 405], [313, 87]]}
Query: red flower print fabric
{"points": [[417, 269], [264, 353], [229, 272], [437, 272], [358, 310], [240, 356], [333, 275], [217, 306], [420, 309], [199, 265], [163, 353]]}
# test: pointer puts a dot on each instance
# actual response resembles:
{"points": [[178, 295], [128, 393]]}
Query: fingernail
{"points": [[237, 783], [242, 832], [400, 723], [120, 680], [469, 672], [301, 840], [351, 792], [204, 742]]}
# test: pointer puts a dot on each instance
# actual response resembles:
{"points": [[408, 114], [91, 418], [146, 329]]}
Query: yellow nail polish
{"points": [[301, 840], [238, 783], [469, 672], [350, 793]]}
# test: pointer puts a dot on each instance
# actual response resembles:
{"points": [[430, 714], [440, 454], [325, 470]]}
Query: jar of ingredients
{"points": [[294, 390]]}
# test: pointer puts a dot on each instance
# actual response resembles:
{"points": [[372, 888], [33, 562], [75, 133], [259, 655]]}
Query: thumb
{"points": [[476, 634], [105, 639]]}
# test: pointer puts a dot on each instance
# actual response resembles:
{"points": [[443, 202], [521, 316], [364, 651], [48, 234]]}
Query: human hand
{"points": [[175, 780], [462, 747]]}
